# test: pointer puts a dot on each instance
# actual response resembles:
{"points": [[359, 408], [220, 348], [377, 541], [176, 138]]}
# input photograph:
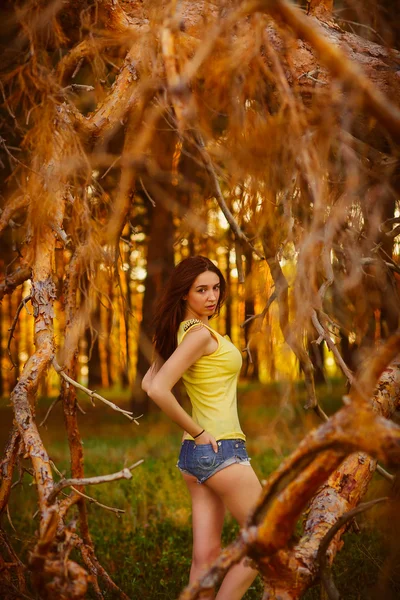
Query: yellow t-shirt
{"points": [[211, 384]]}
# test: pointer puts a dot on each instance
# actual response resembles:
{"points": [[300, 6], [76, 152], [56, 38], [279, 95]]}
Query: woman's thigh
{"points": [[208, 512], [238, 488]]}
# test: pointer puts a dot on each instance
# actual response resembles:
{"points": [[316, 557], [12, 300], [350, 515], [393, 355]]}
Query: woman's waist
{"points": [[219, 436]]}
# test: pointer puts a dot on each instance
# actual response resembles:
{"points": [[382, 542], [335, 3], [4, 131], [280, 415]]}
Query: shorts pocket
{"points": [[205, 457]]}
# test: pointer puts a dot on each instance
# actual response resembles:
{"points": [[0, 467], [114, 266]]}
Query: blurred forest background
{"points": [[264, 135]]}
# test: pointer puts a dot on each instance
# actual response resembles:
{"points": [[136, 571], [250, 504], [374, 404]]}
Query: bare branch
{"points": [[322, 555], [262, 314], [91, 500], [220, 198], [239, 262], [52, 405], [124, 474], [12, 281], [335, 60], [93, 395], [371, 261], [332, 346], [12, 207], [13, 325], [384, 473]]}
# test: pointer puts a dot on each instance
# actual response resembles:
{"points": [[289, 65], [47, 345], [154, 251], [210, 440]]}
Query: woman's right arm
{"points": [[192, 347], [151, 373]]}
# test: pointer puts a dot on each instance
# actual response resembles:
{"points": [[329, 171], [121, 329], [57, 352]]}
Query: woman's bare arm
{"points": [[194, 345], [151, 373]]}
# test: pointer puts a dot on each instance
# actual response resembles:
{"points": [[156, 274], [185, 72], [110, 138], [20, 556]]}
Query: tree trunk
{"points": [[160, 262]]}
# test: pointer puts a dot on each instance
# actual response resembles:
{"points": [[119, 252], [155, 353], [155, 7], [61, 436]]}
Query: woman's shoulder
{"points": [[191, 324], [195, 326]]}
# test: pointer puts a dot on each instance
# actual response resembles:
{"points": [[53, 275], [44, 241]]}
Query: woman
{"points": [[213, 458]]}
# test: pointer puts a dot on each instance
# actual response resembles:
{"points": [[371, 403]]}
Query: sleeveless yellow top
{"points": [[211, 384]]}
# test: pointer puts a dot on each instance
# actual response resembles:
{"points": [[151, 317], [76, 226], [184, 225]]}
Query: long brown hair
{"points": [[170, 308]]}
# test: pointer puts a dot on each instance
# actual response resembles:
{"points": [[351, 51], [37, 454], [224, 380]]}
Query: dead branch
{"points": [[13, 280], [124, 474], [262, 314], [12, 207], [16, 564], [95, 567], [291, 338], [70, 62], [322, 9], [239, 262], [117, 104], [322, 555], [93, 395], [13, 325], [52, 405], [91, 500], [367, 260], [220, 198], [384, 473], [342, 491], [324, 334], [7, 467], [335, 60], [181, 108], [118, 20]]}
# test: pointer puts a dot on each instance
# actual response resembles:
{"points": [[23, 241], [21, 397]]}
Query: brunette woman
{"points": [[213, 458]]}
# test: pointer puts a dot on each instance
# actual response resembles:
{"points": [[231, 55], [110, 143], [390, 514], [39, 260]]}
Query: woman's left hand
{"points": [[207, 438]]}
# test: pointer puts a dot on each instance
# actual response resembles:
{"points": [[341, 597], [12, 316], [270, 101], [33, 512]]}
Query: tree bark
{"points": [[291, 572]]}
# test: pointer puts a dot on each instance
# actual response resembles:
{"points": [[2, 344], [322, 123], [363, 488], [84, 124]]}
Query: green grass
{"points": [[147, 550]]}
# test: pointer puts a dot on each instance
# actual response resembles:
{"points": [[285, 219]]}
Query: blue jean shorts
{"points": [[202, 462]]}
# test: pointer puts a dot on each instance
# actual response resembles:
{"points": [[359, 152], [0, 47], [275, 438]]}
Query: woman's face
{"points": [[202, 298]]}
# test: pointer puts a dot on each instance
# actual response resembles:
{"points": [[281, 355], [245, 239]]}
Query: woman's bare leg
{"points": [[238, 488], [207, 520]]}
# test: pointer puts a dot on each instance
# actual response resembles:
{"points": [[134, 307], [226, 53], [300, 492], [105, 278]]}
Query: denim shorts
{"points": [[202, 462]]}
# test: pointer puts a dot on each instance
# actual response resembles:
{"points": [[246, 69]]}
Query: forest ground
{"points": [[147, 549]]}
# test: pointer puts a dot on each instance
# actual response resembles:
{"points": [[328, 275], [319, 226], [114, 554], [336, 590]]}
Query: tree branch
{"points": [[12, 207], [12, 281], [335, 60], [322, 555], [128, 414], [332, 346], [124, 474], [91, 500], [220, 198], [262, 314], [14, 324]]}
